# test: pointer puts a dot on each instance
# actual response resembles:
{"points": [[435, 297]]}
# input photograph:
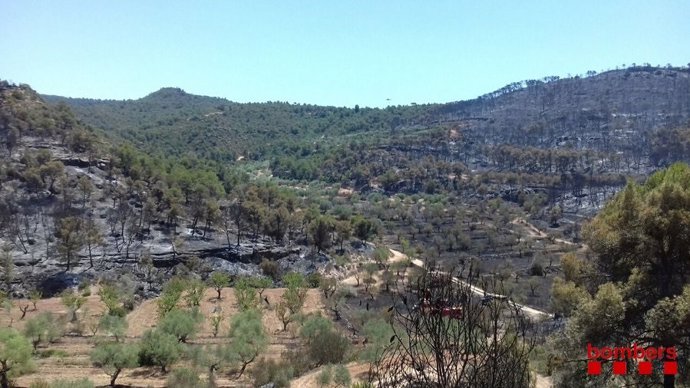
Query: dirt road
{"points": [[530, 311]]}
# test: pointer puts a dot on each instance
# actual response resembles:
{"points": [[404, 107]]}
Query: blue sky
{"points": [[371, 53]]}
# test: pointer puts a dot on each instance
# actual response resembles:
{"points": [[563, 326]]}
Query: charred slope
{"points": [[71, 202]]}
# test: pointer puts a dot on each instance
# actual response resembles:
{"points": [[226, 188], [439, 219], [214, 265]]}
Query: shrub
{"points": [[341, 376], [313, 280], [160, 349], [181, 323], [313, 326], [328, 347], [269, 371], [325, 376], [270, 268], [537, 269], [362, 384], [184, 378]]}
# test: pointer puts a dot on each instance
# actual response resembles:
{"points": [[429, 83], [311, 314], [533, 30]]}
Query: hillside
{"points": [[571, 139], [167, 191], [598, 112], [174, 122], [76, 208]]}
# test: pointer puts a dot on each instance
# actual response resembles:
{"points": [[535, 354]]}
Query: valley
{"points": [[328, 231]]}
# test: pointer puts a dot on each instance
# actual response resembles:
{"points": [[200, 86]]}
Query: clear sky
{"points": [[371, 53]]}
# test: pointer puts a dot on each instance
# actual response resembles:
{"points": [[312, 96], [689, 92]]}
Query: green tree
{"points": [[261, 284], [45, 327], [15, 355], [296, 293], [159, 348], [114, 325], [171, 295], [285, 316], [313, 326], [245, 294], [68, 231], [213, 358], [381, 255], [110, 296], [50, 172], [572, 267], [641, 242], [85, 189], [344, 231], [62, 383], [114, 357], [565, 296], [248, 338], [7, 264], [11, 140], [183, 324], [195, 293], [92, 238], [219, 280], [34, 297], [320, 231], [73, 301], [363, 228]]}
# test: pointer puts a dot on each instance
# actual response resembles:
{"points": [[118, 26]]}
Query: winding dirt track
{"points": [[530, 311]]}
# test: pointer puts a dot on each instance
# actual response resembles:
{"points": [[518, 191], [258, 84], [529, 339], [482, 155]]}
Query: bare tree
{"points": [[443, 337]]}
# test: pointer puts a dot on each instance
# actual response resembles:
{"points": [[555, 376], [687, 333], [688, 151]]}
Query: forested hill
{"points": [[577, 135], [612, 111], [175, 122]]}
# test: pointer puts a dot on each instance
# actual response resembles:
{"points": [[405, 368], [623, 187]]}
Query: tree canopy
{"points": [[641, 292]]}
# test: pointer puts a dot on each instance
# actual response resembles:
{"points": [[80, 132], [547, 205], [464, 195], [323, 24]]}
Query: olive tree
{"points": [[248, 338], [15, 355], [113, 357]]}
